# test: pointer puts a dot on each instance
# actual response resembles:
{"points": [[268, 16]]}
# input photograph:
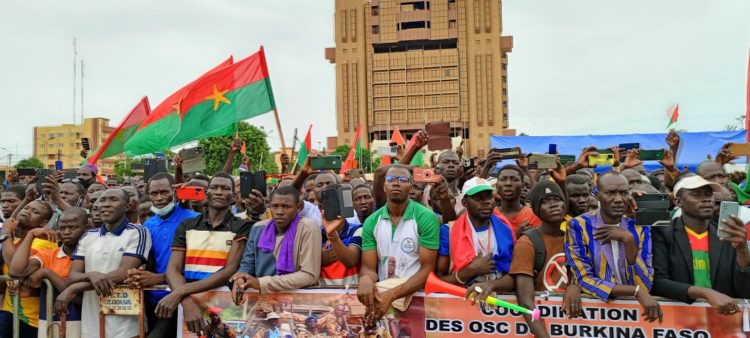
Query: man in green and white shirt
{"points": [[400, 240]]}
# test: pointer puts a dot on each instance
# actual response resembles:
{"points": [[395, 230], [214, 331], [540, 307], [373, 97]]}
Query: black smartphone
{"points": [[259, 182], [85, 143], [41, 178], [151, 166], [246, 183], [253, 180], [507, 153], [652, 209], [325, 162], [329, 199], [26, 172], [337, 201]]}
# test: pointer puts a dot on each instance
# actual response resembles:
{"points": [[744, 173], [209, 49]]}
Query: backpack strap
{"points": [[540, 252]]}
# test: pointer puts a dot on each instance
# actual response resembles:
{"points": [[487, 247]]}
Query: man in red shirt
{"points": [[509, 185]]}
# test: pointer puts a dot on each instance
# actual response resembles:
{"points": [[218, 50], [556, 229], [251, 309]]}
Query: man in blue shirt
{"points": [[167, 217]]}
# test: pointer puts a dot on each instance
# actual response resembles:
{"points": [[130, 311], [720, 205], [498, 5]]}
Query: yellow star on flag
{"points": [[120, 135], [218, 96]]}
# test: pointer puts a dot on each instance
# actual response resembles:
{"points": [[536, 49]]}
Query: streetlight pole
{"points": [[9, 155]]}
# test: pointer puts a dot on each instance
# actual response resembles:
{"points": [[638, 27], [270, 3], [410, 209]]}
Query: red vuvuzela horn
{"points": [[435, 284]]}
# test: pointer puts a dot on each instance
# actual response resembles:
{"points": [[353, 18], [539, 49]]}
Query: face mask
{"points": [[163, 211]]}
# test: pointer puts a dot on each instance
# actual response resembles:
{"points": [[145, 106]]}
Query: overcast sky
{"points": [[586, 66]]}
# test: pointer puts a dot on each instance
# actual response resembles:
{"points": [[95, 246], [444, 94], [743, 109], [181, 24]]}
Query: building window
{"points": [[60, 134], [451, 23], [505, 66], [375, 10], [413, 24], [52, 145], [505, 92], [505, 104], [505, 79], [376, 29]]}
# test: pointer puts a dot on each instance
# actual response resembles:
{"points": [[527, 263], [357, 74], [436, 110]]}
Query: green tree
{"points": [[216, 150], [31, 162], [366, 161]]}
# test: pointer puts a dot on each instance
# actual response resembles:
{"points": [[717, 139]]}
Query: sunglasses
{"points": [[401, 179]]}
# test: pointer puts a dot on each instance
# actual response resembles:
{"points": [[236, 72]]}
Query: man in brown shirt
{"points": [[548, 203]]}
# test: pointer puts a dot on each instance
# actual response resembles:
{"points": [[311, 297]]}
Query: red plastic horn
{"points": [[435, 284]]}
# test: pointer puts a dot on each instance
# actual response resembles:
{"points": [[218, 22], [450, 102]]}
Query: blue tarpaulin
{"points": [[694, 146]]}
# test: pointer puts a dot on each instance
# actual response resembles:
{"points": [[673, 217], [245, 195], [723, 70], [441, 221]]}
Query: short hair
{"points": [[447, 153], [125, 195], [77, 212], [222, 174], [336, 178], [286, 190], [18, 189], [161, 176], [79, 188], [99, 183], [144, 199], [363, 186], [576, 179], [608, 173], [400, 166], [312, 177], [514, 168]]}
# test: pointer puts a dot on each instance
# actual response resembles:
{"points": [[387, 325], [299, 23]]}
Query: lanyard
{"points": [[488, 249]]}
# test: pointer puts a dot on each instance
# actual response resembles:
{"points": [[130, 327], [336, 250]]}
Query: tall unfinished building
{"points": [[404, 63]]}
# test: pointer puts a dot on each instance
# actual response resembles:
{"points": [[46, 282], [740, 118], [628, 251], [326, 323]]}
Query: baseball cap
{"points": [[272, 315], [475, 185], [695, 182]]}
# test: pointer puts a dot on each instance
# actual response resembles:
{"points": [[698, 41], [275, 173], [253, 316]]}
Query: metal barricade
{"points": [[16, 320]]}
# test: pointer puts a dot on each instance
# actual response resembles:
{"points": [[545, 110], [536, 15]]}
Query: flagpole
{"points": [[281, 133]]}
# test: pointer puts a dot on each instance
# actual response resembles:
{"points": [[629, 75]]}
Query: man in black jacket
{"points": [[691, 262]]}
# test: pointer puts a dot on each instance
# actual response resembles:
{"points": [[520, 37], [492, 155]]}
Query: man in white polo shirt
{"points": [[102, 260], [400, 240]]}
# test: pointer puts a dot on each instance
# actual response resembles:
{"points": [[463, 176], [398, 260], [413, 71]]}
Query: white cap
{"points": [[272, 315], [695, 182], [476, 185]]}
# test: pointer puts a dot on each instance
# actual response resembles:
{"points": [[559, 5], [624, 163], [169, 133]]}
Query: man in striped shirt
{"points": [[609, 254], [206, 251]]}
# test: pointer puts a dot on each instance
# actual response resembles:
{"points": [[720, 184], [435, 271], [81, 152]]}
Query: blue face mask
{"points": [[163, 211]]}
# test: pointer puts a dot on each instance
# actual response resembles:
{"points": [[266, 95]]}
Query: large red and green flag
{"points": [[155, 133], [673, 113], [115, 142], [304, 148], [354, 153], [218, 101]]}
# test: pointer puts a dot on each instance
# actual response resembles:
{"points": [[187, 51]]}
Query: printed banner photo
{"points": [[338, 313]]}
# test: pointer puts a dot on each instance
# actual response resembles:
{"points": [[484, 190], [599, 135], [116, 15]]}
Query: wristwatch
{"points": [[4, 236]]}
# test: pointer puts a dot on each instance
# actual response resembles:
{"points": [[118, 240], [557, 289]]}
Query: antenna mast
{"points": [[82, 91], [75, 76]]}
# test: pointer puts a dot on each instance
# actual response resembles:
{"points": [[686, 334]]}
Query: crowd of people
{"points": [[487, 227]]}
